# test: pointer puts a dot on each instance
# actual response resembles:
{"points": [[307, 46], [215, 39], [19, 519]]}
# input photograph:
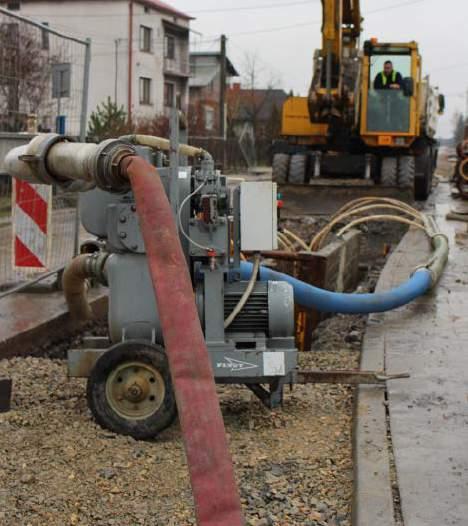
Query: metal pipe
{"points": [[75, 288], [75, 284], [73, 159]]}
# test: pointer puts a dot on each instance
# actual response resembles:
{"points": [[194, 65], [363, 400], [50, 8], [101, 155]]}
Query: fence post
{"points": [[83, 125]]}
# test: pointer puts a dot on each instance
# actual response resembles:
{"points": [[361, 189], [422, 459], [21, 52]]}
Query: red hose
{"points": [[214, 487]]}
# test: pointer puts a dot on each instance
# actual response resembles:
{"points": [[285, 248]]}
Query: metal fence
{"points": [[44, 78]]}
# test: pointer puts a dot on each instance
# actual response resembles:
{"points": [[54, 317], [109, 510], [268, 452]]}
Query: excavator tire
{"points": [[389, 172], [280, 167], [406, 172], [298, 169], [423, 178]]}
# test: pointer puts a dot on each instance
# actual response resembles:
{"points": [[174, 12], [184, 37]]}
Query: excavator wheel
{"points": [[406, 172], [423, 176], [389, 172], [298, 169], [280, 167]]}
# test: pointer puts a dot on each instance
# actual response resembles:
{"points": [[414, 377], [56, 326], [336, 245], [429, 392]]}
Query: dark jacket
{"points": [[383, 81]]}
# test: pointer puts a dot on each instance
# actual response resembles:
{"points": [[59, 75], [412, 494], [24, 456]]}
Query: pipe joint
{"points": [[34, 155], [107, 165]]}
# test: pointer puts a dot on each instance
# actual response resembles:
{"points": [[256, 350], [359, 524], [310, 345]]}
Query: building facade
{"points": [[205, 91], [139, 50]]}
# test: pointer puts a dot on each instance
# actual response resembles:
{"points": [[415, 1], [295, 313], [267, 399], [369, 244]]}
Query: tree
{"points": [[107, 121], [25, 75], [459, 124]]}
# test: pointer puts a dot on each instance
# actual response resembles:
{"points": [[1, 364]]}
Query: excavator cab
{"points": [[389, 116]]}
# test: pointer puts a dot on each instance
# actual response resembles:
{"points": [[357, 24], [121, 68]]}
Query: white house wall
{"points": [[106, 24]]}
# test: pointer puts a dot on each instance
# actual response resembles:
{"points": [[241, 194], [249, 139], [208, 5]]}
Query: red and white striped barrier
{"points": [[32, 205]]}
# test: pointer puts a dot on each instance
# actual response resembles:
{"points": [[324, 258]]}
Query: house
{"points": [[205, 91], [139, 49], [257, 111]]}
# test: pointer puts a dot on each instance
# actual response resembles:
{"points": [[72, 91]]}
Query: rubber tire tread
{"points": [[389, 172], [406, 172], [103, 413], [423, 178], [280, 167], [298, 169]]}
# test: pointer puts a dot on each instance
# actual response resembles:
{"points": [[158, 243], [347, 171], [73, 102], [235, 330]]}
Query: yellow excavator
{"points": [[348, 128]]}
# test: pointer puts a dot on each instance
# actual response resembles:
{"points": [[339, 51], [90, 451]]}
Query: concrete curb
{"points": [[373, 495]]}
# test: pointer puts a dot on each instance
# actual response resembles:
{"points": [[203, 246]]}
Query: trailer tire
{"points": [[280, 167], [130, 391], [298, 169], [406, 172], [389, 172]]}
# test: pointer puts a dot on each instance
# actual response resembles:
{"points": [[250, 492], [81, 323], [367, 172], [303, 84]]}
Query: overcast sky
{"points": [[286, 52]]}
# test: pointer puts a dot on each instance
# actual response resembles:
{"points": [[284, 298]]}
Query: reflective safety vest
{"points": [[384, 77]]}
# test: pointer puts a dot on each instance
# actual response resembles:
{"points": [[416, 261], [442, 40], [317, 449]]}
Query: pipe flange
{"points": [[107, 165], [36, 156]]}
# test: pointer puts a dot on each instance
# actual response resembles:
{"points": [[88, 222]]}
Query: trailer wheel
{"points": [[130, 392], [406, 172], [280, 167], [389, 172], [298, 169]]}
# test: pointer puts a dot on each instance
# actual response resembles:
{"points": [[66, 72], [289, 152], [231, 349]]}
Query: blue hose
{"points": [[312, 297]]}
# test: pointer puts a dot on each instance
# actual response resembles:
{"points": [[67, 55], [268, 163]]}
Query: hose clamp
{"points": [[36, 156], [106, 168]]}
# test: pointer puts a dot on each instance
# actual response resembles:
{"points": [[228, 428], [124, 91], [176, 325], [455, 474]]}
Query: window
{"points": [[209, 118], [168, 94], [170, 47], [14, 6], [145, 90], [146, 37]]}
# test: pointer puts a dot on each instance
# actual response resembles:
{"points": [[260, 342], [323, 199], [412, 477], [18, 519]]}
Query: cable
{"points": [[365, 204], [194, 12], [315, 22], [381, 217], [247, 293], [297, 239], [250, 8], [181, 228]]}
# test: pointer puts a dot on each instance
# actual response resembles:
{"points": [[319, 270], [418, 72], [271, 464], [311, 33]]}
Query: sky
{"points": [[283, 35]]}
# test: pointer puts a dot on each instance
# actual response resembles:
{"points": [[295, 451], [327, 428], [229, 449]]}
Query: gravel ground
{"points": [[294, 464]]}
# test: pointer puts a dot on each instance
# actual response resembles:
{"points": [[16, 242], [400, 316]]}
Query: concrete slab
{"points": [[428, 413], [32, 319]]}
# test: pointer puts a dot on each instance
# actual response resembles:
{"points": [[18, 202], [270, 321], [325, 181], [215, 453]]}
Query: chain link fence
{"points": [[44, 77]]}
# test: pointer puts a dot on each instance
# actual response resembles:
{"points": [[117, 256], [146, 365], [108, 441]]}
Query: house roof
{"points": [[155, 4], [230, 69], [166, 8], [264, 100]]}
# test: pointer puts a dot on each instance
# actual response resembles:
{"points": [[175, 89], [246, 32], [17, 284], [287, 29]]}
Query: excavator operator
{"points": [[388, 78]]}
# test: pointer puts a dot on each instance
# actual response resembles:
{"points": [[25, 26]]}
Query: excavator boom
{"points": [[336, 75]]}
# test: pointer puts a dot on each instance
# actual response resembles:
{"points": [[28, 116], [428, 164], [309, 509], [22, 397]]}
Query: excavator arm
{"points": [[337, 69]]}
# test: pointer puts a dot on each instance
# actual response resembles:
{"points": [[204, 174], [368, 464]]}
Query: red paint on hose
{"points": [[214, 487]]}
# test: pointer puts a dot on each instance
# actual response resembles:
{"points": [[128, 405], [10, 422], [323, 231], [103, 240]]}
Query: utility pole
{"points": [[222, 91], [116, 83]]}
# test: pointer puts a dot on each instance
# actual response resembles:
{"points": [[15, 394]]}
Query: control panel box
{"points": [[258, 216]]}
